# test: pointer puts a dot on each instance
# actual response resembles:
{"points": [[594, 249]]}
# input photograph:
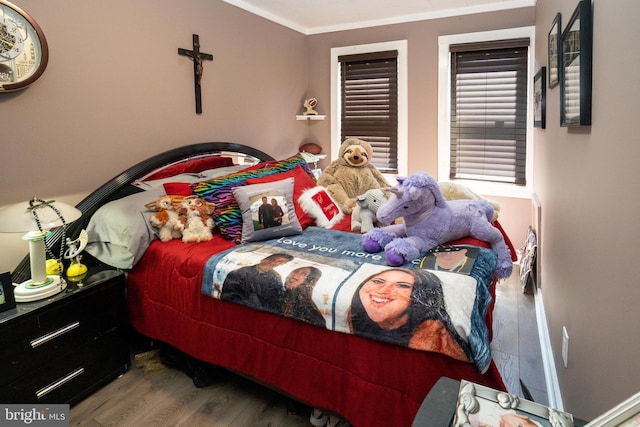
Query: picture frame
{"points": [[576, 68], [479, 404], [626, 414], [7, 299], [540, 98], [554, 51]]}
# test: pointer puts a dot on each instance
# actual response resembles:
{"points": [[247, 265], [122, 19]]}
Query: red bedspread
{"points": [[369, 383]]}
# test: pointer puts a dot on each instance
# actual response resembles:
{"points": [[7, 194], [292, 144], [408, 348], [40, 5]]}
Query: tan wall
{"points": [[116, 91], [587, 182]]}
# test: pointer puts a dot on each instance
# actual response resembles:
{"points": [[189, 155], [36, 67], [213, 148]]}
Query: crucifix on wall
{"points": [[197, 57]]}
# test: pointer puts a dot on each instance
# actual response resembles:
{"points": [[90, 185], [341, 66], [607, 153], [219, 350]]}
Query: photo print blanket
{"points": [[325, 277]]}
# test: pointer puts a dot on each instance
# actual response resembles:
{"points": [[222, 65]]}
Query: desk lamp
{"points": [[36, 217]]}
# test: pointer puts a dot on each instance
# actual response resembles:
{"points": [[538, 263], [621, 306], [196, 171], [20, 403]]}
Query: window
{"points": [[369, 107], [485, 140], [489, 111], [369, 99]]}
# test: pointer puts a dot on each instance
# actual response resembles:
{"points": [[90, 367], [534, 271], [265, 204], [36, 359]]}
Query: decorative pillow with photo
{"points": [[267, 210], [301, 181], [318, 203]]}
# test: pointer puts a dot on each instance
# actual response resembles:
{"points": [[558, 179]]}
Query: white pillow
{"points": [[119, 232]]}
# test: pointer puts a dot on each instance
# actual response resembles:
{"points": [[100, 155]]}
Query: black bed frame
{"points": [[121, 186]]}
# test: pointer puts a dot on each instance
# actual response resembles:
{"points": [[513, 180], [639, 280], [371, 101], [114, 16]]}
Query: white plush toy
{"points": [[363, 217]]}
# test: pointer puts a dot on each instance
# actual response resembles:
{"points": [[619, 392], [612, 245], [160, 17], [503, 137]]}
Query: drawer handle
{"points": [[55, 334], [58, 383]]}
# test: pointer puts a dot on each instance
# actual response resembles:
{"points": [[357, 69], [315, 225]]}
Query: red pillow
{"points": [[177, 188], [301, 182], [192, 166]]}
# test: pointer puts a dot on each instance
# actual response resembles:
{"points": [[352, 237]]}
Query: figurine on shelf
{"points": [[310, 104]]}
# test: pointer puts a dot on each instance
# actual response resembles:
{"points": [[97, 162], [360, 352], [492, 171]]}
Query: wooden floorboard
{"points": [[150, 394]]}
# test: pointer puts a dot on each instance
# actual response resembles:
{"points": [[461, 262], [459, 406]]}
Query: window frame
{"points": [[336, 96], [444, 111]]}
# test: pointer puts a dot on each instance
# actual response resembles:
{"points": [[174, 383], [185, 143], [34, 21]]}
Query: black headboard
{"points": [[121, 186]]}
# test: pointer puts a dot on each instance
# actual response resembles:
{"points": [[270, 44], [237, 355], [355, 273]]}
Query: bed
{"points": [[368, 382]]}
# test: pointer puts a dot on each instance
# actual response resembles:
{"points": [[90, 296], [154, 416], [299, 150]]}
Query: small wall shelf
{"points": [[310, 117]]}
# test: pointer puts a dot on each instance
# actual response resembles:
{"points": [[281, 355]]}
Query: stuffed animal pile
{"points": [[430, 220], [179, 217], [352, 174]]}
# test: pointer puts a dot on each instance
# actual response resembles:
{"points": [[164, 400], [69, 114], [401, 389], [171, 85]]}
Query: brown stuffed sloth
{"points": [[351, 174]]}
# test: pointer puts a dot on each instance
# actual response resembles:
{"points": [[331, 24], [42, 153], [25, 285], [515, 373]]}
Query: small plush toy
{"points": [[351, 174], [194, 219], [165, 217], [430, 220], [363, 217], [318, 203]]}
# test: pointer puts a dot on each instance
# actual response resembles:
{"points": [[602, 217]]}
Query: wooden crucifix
{"points": [[197, 57]]}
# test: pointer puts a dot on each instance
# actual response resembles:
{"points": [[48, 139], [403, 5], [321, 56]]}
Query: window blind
{"points": [[489, 111], [369, 105]]}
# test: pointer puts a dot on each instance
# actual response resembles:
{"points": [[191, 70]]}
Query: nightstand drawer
{"points": [[71, 377], [55, 332]]}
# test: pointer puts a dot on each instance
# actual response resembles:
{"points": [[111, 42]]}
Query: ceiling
{"points": [[322, 16]]}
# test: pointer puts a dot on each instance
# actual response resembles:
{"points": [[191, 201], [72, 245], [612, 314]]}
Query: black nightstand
{"points": [[60, 349]]}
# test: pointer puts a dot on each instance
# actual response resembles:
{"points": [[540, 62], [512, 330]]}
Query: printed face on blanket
{"points": [[456, 259], [405, 306], [258, 286], [318, 278], [298, 295]]}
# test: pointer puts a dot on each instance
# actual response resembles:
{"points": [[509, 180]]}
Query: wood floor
{"points": [[168, 397], [516, 345], [152, 395]]}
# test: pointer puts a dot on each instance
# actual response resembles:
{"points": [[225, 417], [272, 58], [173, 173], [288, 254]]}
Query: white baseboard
{"points": [[550, 373]]}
